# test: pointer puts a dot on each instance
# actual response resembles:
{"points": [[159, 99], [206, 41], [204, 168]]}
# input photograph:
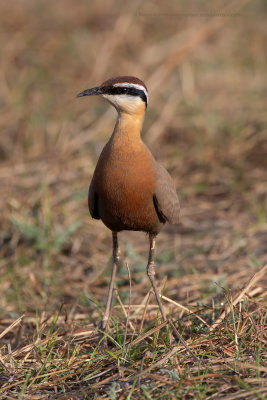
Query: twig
{"points": [[130, 300], [123, 309], [185, 309], [252, 282], [10, 327], [145, 310], [162, 361]]}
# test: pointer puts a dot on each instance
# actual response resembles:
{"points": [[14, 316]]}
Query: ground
{"points": [[205, 68]]}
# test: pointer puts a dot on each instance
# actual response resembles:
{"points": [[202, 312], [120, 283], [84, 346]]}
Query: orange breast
{"points": [[125, 181]]}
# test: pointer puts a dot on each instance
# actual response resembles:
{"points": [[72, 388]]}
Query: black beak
{"points": [[91, 92]]}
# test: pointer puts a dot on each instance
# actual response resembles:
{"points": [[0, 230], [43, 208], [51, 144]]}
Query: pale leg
{"points": [[151, 273], [116, 251]]}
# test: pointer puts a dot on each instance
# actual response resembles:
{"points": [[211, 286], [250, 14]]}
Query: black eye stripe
{"points": [[131, 91]]}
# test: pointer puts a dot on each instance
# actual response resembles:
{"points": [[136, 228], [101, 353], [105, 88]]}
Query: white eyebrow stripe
{"points": [[133, 85]]}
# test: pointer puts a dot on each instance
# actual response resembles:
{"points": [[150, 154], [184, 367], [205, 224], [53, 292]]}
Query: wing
{"points": [[165, 198], [93, 201]]}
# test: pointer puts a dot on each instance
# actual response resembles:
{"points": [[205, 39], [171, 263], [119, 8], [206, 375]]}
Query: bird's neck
{"points": [[128, 128]]}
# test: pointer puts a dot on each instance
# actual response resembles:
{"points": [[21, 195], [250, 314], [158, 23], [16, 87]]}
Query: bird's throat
{"points": [[128, 128]]}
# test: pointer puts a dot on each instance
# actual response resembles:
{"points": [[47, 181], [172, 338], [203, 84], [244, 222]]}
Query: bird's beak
{"points": [[91, 92]]}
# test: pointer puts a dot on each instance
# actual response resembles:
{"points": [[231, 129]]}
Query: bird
{"points": [[129, 189]]}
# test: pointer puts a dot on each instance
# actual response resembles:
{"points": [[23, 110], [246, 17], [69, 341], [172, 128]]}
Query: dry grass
{"points": [[207, 124]]}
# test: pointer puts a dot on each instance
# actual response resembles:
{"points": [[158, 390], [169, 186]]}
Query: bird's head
{"points": [[126, 93]]}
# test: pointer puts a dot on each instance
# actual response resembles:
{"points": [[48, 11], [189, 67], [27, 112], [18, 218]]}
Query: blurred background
{"points": [[205, 67]]}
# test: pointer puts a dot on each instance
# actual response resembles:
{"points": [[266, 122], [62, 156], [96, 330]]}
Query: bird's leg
{"points": [[116, 252], [151, 273]]}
